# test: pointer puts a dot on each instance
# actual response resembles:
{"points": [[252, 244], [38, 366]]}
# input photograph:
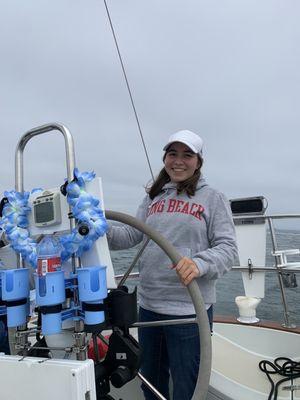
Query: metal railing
{"points": [[278, 268]]}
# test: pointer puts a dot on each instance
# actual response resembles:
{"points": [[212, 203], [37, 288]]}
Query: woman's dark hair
{"points": [[189, 186]]}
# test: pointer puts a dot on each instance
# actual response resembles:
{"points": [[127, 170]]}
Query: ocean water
{"points": [[230, 285]]}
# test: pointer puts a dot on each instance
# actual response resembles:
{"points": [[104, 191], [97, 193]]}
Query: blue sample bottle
{"points": [[50, 284]]}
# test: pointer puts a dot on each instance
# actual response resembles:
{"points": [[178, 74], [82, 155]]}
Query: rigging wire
{"points": [[128, 87]]}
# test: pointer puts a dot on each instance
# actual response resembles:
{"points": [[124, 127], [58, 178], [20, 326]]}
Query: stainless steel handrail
{"points": [[286, 314], [69, 146], [278, 269], [134, 275], [266, 269], [70, 161], [274, 216]]}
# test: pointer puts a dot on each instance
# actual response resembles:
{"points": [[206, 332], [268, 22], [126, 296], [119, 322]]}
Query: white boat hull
{"points": [[237, 351]]}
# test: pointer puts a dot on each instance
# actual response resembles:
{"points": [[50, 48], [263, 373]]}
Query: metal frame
{"points": [[79, 335], [70, 159]]}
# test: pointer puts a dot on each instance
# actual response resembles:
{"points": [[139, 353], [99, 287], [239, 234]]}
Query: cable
{"points": [[282, 366], [128, 87]]}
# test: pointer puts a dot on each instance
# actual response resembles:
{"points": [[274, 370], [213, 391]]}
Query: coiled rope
{"points": [[283, 366]]}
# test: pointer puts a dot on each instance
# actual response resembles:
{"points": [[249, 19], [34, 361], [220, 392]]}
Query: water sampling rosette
{"points": [[50, 288]]}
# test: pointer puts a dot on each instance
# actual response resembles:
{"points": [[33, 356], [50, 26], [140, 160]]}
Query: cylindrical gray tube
{"points": [[201, 388]]}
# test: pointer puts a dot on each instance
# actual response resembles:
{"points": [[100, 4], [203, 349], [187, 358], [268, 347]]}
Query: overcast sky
{"points": [[227, 69]]}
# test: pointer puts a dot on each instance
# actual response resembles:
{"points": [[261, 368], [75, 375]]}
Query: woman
{"points": [[197, 220]]}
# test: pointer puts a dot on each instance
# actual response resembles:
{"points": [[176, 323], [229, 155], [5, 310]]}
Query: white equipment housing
{"points": [[251, 241], [39, 378]]}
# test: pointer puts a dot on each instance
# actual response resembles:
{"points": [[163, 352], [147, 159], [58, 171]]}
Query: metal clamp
{"points": [[281, 256], [250, 268], [80, 344], [291, 388], [78, 350], [26, 346]]}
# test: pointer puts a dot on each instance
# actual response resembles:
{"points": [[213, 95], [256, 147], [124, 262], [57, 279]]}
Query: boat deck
{"points": [[229, 319]]}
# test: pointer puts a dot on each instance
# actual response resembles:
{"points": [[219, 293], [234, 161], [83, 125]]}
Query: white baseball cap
{"points": [[190, 139]]}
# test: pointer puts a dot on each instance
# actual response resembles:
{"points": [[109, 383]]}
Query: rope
{"points": [[283, 366], [128, 87]]}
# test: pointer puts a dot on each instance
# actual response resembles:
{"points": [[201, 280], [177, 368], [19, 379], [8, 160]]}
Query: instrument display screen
{"points": [[47, 209], [44, 212], [250, 205]]}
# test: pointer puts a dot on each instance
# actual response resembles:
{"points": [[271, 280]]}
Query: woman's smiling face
{"points": [[180, 162]]}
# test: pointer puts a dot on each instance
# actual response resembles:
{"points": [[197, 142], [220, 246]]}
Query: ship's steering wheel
{"points": [[202, 384]]}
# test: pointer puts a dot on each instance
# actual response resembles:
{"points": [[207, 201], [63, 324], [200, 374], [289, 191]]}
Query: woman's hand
{"points": [[187, 270]]}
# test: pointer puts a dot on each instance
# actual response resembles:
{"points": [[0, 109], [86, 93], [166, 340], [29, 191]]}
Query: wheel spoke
{"points": [[96, 349], [136, 258], [164, 322], [151, 387], [103, 338]]}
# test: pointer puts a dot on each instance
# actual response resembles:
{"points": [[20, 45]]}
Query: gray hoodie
{"points": [[200, 228]]}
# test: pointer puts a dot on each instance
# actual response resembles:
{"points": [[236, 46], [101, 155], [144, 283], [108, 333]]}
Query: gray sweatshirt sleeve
{"points": [[121, 236], [220, 257]]}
